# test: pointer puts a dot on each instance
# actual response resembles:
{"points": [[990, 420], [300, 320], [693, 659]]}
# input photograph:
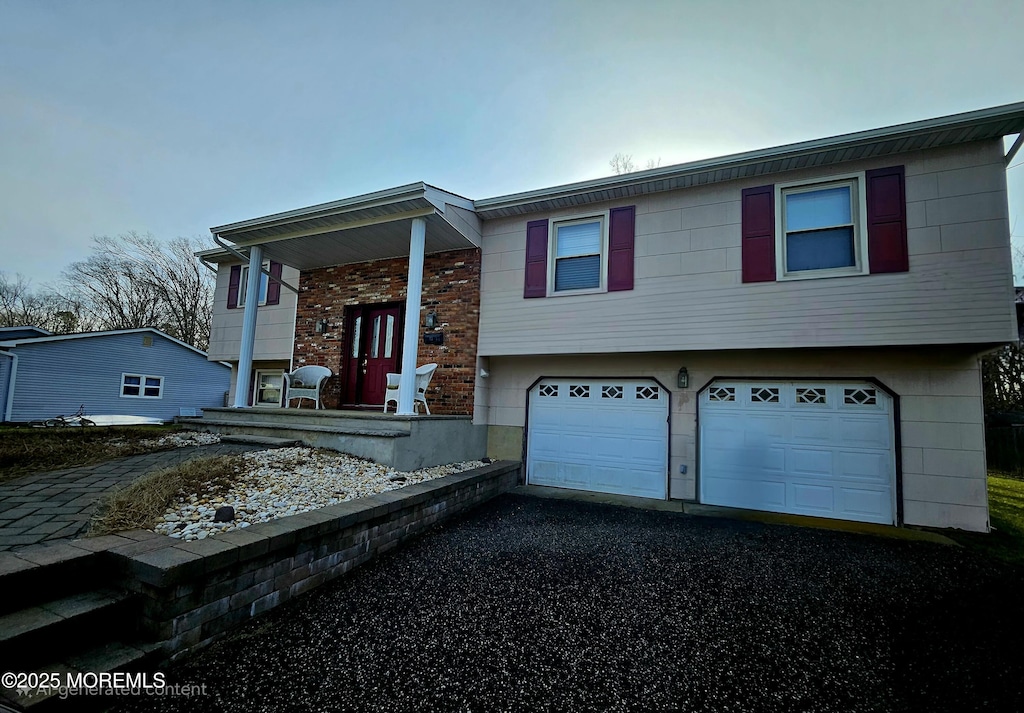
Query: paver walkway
{"points": [[59, 504]]}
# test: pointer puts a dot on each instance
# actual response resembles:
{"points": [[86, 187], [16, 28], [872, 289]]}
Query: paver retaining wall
{"points": [[192, 592]]}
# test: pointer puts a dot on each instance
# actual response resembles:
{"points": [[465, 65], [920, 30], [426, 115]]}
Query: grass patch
{"points": [[140, 504], [1006, 512], [25, 450]]}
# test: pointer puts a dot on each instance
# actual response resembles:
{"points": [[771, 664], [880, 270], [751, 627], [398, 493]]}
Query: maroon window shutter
{"points": [[236, 277], [621, 234], [887, 220], [274, 288], [758, 242], [536, 259]]}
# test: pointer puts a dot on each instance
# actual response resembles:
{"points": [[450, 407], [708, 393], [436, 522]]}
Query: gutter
{"points": [[1015, 148], [9, 406]]}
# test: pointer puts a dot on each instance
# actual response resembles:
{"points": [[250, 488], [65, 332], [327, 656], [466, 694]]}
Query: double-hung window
{"points": [[243, 284], [142, 386], [578, 245], [821, 229]]}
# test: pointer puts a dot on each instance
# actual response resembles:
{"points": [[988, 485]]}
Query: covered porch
{"points": [[362, 310]]}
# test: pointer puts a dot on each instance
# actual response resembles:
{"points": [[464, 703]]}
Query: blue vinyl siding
{"points": [[5, 375], [56, 377]]}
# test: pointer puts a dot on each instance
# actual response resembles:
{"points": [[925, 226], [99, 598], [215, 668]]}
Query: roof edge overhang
{"points": [[1000, 121], [410, 191]]}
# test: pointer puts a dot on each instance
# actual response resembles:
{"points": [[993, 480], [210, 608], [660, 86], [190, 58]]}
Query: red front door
{"points": [[380, 341]]}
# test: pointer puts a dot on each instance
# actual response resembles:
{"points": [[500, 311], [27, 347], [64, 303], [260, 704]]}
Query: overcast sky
{"points": [[172, 117]]}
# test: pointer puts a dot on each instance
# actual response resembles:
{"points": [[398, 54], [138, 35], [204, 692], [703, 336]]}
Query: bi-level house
{"points": [[796, 329]]}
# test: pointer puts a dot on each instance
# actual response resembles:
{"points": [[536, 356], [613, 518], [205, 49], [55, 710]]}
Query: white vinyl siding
{"points": [[275, 324], [688, 292]]}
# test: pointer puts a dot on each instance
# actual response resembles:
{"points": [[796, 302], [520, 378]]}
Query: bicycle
{"points": [[76, 419]]}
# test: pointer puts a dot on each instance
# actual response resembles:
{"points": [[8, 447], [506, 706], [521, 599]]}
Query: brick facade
{"points": [[451, 288]]}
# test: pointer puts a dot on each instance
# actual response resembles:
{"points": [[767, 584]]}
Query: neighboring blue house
{"points": [[130, 372]]}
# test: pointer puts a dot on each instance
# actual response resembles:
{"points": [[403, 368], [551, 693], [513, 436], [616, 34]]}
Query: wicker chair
{"points": [[305, 383], [423, 375]]}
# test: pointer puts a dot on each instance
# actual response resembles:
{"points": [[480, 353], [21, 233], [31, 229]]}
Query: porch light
{"points": [[321, 326], [683, 379], [431, 320]]}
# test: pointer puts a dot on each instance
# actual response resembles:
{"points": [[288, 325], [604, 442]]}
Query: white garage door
{"points": [[605, 435], [806, 448]]}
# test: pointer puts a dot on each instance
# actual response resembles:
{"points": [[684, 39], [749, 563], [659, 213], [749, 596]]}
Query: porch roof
{"points": [[374, 226]]}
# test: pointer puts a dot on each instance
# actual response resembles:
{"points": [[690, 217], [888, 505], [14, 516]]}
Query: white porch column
{"points": [[252, 302], [411, 341]]}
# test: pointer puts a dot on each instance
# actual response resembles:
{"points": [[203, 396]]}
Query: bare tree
{"points": [[134, 281], [623, 163], [20, 305]]}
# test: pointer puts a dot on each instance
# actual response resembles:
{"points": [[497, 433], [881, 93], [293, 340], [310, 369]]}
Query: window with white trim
{"points": [[142, 386], [578, 248], [243, 284], [821, 231]]}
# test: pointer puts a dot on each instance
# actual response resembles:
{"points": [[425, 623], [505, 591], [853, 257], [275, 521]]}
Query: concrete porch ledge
{"points": [[400, 442]]}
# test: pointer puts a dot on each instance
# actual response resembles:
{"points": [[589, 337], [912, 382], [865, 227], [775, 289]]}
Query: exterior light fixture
{"points": [[431, 321], [321, 326], [683, 379]]}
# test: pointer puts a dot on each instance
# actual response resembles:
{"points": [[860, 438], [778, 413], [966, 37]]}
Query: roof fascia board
{"points": [[421, 213], [323, 210]]}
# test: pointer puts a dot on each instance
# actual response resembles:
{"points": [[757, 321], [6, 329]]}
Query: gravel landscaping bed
{"points": [[288, 481], [530, 604]]}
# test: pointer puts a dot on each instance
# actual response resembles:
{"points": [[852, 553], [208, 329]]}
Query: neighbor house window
{"points": [[142, 386], [821, 229], [577, 251], [244, 282]]}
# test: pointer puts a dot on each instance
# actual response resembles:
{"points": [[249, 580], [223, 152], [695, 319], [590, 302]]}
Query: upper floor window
{"points": [[821, 230], [243, 284], [578, 245], [580, 255]]}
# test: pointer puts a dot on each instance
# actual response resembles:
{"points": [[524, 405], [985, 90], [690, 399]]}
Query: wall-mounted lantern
{"points": [[431, 321], [683, 379], [321, 326]]}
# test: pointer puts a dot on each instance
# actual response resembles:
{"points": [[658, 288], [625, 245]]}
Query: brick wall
{"points": [[451, 287]]}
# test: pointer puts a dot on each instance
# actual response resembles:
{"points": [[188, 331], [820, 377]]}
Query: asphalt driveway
{"points": [[534, 604]]}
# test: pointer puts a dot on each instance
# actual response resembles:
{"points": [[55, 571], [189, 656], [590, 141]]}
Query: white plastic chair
{"points": [[305, 383], [423, 375]]}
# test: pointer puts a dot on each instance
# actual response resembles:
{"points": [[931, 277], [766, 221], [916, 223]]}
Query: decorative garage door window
{"points": [[602, 435], [860, 397], [820, 448]]}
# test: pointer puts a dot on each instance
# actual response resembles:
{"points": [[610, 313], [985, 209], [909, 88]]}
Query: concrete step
{"points": [[217, 425], [46, 572], [261, 440], [110, 657], [39, 633]]}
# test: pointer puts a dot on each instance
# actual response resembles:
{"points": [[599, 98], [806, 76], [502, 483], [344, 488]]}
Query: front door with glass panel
{"points": [[373, 347]]}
